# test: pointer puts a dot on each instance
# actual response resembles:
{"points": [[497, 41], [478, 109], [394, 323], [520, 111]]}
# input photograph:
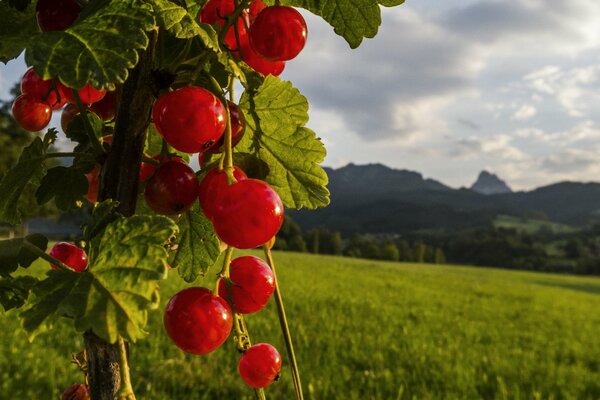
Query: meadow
{"points": [[365, 330]]}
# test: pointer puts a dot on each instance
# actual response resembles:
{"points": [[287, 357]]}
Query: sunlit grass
{"points": [[366, 330]]}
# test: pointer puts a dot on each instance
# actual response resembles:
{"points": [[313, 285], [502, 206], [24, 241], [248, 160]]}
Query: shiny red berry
{"points": [[93, 178], [251, 287], [31, 113], [197, 321], [56, 15], [106, 107], [278, 33], [172, 189], [88, 94], [212, 185], [191, 119], [70, 255], [68, 114], [248, 214], [260, 64], [77, 391], [255, 8], [236, 43], [148, 169], [33, 84], [216, 11], [260, 365], [238, 127]]}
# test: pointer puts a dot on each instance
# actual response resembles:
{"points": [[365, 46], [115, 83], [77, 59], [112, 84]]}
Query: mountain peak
{"points": [[489, 183]]}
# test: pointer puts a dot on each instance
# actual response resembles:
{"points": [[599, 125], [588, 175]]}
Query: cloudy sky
{"points": [[451, 88]]}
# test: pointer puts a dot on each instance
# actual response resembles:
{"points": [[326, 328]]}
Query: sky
{"points": [[451, 88]]}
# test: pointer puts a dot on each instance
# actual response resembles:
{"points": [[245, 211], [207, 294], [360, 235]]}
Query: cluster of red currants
{"points": [[199, 321], [263, 37]]}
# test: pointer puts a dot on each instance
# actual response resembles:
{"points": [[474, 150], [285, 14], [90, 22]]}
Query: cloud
{"points": [[524, 112]]}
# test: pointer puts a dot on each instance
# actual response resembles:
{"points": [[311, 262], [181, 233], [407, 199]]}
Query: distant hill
{"points": [[488, 183], [377, 199]]}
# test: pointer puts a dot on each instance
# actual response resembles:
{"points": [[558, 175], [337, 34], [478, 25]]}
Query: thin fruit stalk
{"points": [[285, 328]]}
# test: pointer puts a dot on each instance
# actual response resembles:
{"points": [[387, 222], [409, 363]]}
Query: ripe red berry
{"points": [[173, 188], [148, 169], [67, 115], [56, 15], [77, 391], [88, 94], [93, 178], [191, 119], [255, 8], [260, 64], [31, 113], [238, 127], [260, 365], [70, 255], [216, 11], [278, 33], [33, 84], [252, 284], [106, 107], [248, 214], [212, 186], [197, 321]]}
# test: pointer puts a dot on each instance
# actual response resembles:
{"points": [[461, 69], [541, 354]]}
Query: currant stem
{"points": [[285, 328], [126, 390], [43, 255], [88, 125], [224, 272], [152, 161]]}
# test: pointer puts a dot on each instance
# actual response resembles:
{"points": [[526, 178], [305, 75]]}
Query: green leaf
{"points": [[103, 214], [17, 30], [179, 22], [15, 291], [14, 254], [29, 166], [198, 245], [76, 130], [104, 45], [275, 114], [67, 185], [20, 5], [113, 296], [351, 19]]}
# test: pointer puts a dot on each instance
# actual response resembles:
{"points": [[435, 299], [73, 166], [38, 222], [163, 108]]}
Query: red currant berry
{"points": [[70, 255], [77, 391], [148, 169], [31, 113], [68, 114], [216, 11], [212, 185], [252, 287], [33, 84], [278, 33], [255, 7], [248, 214], [231, 41], [173, 188], [260, 365], [93, 178], [87, 94], [106, 107], [238, 127], [197, 321], [191, 119], [260, 64], [56, 15]]}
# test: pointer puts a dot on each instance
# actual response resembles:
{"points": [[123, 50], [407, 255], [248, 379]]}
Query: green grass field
{"points": [[366, 330]]}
